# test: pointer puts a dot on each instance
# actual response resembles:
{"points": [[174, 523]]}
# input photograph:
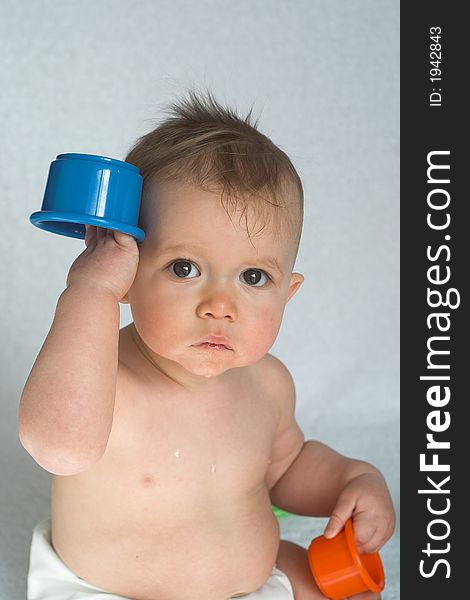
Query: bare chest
{"points": [[184, 455], [200, 439]]}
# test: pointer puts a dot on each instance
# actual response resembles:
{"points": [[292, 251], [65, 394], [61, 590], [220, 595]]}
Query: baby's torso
{"points": [[177, 508]]}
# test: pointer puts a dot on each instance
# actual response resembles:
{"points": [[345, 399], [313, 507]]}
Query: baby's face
{"points": [[205, 296]]}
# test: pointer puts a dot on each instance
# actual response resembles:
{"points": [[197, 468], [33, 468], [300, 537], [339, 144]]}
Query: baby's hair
{"points": [[208, 145]]}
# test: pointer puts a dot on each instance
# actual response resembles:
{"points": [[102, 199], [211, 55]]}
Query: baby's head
{"points": [[222, 210]]}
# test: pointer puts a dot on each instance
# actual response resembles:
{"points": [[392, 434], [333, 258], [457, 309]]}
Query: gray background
{"points": [[324, 75]]}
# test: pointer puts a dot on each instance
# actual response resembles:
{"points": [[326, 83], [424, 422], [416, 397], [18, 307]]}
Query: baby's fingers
{"points": [[90, 235], [123, 239], [341, 513], [366, 534], [371, 533]]}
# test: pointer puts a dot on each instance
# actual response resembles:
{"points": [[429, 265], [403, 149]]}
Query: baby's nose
{"points": [[217, 305]]}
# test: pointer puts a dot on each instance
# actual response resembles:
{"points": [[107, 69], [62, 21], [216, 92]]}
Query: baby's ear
{"points": [[296, 280]]}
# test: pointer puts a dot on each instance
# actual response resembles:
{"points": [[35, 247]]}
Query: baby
{"points": [[170, 439]]}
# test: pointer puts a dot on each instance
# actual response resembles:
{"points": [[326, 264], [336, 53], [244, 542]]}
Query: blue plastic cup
{"points": [[86, 189]]}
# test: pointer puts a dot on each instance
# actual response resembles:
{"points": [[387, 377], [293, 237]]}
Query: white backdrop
{"points": [[324, 76]]}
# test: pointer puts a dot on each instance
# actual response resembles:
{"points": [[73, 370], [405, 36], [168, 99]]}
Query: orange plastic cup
{"points": [[339, 570]]}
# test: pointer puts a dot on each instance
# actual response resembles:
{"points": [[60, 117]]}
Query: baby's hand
{"points": [[109, 261], [367, 500]]}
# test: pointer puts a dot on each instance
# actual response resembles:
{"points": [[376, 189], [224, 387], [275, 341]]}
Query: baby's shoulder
{"points": [[274, 368], [276, 380]]}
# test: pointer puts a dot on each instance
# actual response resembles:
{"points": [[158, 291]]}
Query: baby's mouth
{"points": [[214, 343], [210, 346]]}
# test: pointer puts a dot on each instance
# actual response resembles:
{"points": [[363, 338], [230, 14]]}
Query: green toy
{"points": [[279, 512]]}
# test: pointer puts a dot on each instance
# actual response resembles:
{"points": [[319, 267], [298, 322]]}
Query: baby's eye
{"points": [[254, 277], [184, 269]]}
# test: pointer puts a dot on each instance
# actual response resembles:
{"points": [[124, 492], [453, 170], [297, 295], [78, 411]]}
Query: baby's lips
{"points": [[215, 340]]}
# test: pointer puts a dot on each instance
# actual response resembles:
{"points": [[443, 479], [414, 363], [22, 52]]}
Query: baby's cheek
{"points": [[264, 330], [154, 323], [162, 332]]}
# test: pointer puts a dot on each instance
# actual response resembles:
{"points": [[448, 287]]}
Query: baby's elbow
{"points": [[58, 462]]}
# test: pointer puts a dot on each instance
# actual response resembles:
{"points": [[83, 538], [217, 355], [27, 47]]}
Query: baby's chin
{"points": [[215, 367], [207, 370]]}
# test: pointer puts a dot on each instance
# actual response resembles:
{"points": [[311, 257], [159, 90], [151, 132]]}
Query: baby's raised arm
{"points": [[66, 408]]}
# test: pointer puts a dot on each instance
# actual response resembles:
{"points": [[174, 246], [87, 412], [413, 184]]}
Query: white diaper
{"points": [[50, 579]]}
